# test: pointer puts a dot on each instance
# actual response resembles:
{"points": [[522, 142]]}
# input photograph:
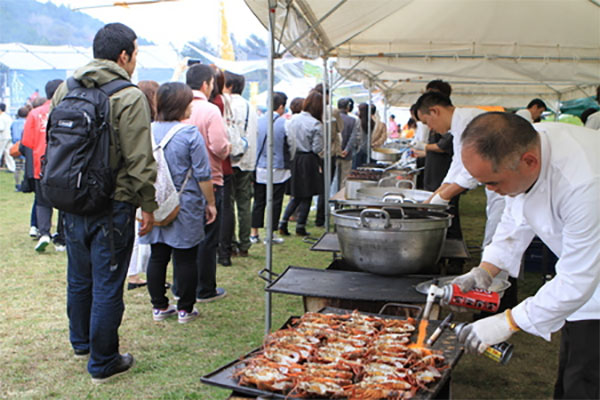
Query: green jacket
{"points": [[130, 119]]}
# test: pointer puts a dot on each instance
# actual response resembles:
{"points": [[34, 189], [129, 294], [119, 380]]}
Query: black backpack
{"points": [[76, 176]]}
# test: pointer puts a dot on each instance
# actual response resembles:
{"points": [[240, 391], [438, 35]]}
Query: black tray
{"points": [[223, 377], [349, 285]]}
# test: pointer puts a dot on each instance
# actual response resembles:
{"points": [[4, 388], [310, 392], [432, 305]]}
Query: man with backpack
{"points": [[99, 241]]}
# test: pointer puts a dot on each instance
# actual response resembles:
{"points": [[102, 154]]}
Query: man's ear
{"points": [[530, 159], [123, 58]]}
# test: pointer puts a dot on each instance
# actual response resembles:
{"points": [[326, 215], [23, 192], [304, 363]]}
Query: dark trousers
{"points": [[320, 219], [227, 219], [207, 252], [260, 202], [579, 361], [241, 194], [184, 262], [43, 211], [33, 217], [95, 287], [303, 206]]}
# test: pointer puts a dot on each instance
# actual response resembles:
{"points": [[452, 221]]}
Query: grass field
{"points": [[36, 357]]}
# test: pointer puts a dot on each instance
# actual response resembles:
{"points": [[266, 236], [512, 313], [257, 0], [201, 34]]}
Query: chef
{"points": [[550, 174]]}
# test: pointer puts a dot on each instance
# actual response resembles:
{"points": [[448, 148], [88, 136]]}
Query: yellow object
{"points": [[511, 322], [226, 46]]}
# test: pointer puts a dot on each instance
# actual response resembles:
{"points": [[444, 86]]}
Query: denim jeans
{"points": [[95, 289]]}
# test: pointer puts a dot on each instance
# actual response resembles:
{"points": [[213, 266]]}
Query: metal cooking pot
{"points": [[394, 194], [385, 154], [353, 185], [392, 241]]}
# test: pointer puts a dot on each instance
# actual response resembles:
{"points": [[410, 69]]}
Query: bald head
{"points": [[499, 137]]}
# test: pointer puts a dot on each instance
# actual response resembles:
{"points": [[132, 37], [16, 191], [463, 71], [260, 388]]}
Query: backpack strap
{"points": [[113, 87], [247, 115], [163, 143]]}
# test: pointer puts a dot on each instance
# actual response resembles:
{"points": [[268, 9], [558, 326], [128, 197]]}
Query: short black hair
{"points": [[51, 87], [441, 86], [413, 111], [112, 39], [296, 105], [499, 137], [235, 81], [22, 112], [430, 99], [2, 107], [197, 75], [172, 100], [393, 116], [586, 114], [539, 103], [279, 99], [343, 103]]}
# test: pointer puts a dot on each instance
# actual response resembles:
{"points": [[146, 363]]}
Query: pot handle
{"points": [[410, 183], [397, 198], [382, 180], [376, 211]]}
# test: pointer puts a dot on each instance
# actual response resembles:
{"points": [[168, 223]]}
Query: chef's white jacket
{"points": [[457, 172], [593, 121], [525, 113], [563, 209]]}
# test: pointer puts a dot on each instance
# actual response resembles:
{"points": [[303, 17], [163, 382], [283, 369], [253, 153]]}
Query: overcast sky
{"points": [[176, 22]]}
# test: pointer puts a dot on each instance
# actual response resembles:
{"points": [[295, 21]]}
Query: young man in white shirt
{"points": [[534, 110], [550, 177]]}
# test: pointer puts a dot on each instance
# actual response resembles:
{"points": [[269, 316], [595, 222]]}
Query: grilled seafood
{"points": [[353, 356]]}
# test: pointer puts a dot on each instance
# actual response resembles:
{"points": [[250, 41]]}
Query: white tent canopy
{"points": [[493, 52]]}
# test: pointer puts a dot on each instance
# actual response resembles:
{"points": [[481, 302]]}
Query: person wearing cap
{"points": [[549, 175]]}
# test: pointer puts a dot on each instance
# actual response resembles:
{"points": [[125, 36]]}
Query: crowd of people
{"points": [[215, 147]]}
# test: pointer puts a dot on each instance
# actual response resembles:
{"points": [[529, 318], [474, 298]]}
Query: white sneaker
{"points": [[60, 247], [42, 243], [254, 239], [184, 317], [161, 315], [34, 232], [275, 240]]}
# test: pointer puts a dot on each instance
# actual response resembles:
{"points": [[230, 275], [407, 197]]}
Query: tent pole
{"points": [[369, 123], [385, 109], [269, 224], [326, 141]]}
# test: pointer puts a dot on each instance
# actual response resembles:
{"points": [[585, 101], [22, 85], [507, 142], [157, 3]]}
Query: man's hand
{"points": [[477, 278], [344, 154], [437, 199], [211, 214], [147, 223], [479, 335]]}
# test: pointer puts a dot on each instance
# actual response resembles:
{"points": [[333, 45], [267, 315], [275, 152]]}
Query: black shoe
{"points": [[131, 285], [283, 231], [302, 232], [224, 261], [125, 363], [81, 354]]}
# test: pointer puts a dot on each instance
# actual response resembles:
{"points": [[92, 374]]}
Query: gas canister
{"points": [[477, 299]]}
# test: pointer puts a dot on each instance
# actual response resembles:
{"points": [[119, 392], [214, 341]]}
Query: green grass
{"points": [[36, 356]]}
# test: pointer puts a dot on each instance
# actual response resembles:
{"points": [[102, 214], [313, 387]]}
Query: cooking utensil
{"points": [[498, 285], [383, 193], [391, 241], [385, 154]]}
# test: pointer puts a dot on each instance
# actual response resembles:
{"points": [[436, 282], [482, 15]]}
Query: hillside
{"points": [[32, 22]]}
